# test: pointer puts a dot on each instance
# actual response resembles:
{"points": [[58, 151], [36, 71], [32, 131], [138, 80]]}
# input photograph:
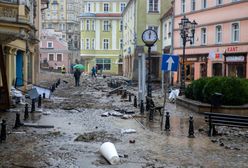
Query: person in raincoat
{"points": [[63, 69], [93, 72], [77, 75]]}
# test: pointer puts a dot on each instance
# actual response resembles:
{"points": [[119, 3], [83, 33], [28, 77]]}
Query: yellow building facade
{"points": [[19, 51]]}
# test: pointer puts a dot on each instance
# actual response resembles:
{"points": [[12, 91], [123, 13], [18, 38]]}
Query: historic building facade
{"points": [[62, 16], [221, 39], [101, 35], [19, 49], [138, 16]]}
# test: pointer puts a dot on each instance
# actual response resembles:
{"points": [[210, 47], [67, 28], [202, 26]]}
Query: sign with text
{"points": [[170, 62]]}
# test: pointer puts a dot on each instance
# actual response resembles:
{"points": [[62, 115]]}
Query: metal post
{"points": [[33, 105], [182, 87], [39, 101], [191, 127], [44, 95], [141, 107], [167, 121], [149, 87], [26, 116], [3, 134], [135, 101]]}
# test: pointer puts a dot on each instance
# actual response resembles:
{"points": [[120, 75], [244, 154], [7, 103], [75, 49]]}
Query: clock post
{"points": [[149, 37]]}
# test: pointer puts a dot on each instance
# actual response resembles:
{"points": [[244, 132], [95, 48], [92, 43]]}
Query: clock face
{"points": [[149, 37]]}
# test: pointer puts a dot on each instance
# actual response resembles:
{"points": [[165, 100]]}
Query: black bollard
{"points": [[18, 121], [3, 134], [130, 97], [147, 104], [141, 107], [135, 101], [39, 101], [44, 95], [54, 86], [167, 121], [33, 106], [151, 114], [26, 116], [191, 127]]}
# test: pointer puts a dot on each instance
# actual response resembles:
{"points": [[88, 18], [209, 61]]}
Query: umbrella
{"points": [[78, 66]]}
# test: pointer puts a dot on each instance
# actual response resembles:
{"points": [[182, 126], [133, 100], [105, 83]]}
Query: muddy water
{"points": [[79, 130]]}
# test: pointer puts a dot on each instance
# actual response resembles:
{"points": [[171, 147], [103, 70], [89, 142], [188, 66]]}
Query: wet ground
{"points": [[80, 129]]}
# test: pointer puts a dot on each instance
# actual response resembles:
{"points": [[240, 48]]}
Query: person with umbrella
{"points": [[77, 75]]}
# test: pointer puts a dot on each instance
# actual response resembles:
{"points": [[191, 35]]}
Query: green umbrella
{"points": [[78, 66]]}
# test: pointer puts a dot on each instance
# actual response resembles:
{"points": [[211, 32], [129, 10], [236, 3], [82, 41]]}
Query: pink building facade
{"points": [[54, 53], [220, 46]]}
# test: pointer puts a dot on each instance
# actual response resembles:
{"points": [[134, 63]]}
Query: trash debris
{"points": [[173, 95], [128, 131], [46, 113], [106, 114], [108, 150], [132, 141], [126, 116], [116, 114]]}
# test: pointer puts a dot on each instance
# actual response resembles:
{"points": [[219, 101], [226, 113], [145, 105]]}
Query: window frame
{"points": [[234, 31], [61, 57], [183, 6], [106, 7], [87, 44], [218, 34], [105, 44], [203, 36], [50, 42], [105, 25], [193, 5], [204, 4], [49, 56], [153, 6]]}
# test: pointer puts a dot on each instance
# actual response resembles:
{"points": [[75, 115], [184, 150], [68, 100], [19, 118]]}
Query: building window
{"points": [[219, 2], [123, 5], [121, 25], [51, 57], [105, 44], [103, 64], [87, 25], [88, 7], [49, 44], [193, 5], [165, 31], [87, 44], [218, 30], [93, 25], [235, 32], [153, 6], [93, 44], [170, 30], [204, 4], [106, 7], [82, 44], [203, 36], [105, 25], [121, 43], [59, 57], [183, 6]]}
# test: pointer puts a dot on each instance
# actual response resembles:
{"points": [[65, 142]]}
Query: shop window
{"points": [[236, 70], [189, 72], [217, 69], [103, 64]]}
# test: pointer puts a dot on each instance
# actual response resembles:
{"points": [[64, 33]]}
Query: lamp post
{"points": [[187, 32], [149, 37]]}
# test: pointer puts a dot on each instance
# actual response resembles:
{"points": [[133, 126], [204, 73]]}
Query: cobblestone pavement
{"points": [[79, 130]]}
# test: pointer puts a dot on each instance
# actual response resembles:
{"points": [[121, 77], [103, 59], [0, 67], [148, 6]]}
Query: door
{"points": [[19, 68], [189, 71]]}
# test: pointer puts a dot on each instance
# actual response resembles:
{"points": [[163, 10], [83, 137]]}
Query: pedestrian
{"points": [[63, 69], [77, 75], [93, 72]]}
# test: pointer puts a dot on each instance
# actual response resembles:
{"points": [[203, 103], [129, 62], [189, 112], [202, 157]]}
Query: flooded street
{"points": [[80, 129]]}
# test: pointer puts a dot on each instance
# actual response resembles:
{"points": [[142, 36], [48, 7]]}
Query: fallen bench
{"points": [[218, 119], [156, 108]]}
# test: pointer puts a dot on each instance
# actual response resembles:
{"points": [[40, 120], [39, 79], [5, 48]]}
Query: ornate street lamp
{"points": [[187, 32]]}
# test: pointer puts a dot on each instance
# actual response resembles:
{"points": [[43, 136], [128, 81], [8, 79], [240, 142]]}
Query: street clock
{"points": [[149, 37]]}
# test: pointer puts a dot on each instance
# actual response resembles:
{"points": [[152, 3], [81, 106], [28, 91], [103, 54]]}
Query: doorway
{"points": [[19, 68], [189, 71]]}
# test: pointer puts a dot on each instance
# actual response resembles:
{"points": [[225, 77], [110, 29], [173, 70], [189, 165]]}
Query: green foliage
{"points": [[234, 90]]}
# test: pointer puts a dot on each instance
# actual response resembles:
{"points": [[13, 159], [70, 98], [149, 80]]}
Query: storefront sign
{"points": [[232, 49], [235, 58], [8, 12], [191, 59]]}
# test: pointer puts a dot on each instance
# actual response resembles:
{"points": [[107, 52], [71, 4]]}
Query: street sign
{"points": [[170, 62]]}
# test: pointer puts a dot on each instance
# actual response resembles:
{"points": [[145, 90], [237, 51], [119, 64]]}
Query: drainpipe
{"points": [[47, 5]]}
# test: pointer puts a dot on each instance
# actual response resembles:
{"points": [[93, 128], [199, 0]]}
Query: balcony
{"points": [[15, 19]]}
